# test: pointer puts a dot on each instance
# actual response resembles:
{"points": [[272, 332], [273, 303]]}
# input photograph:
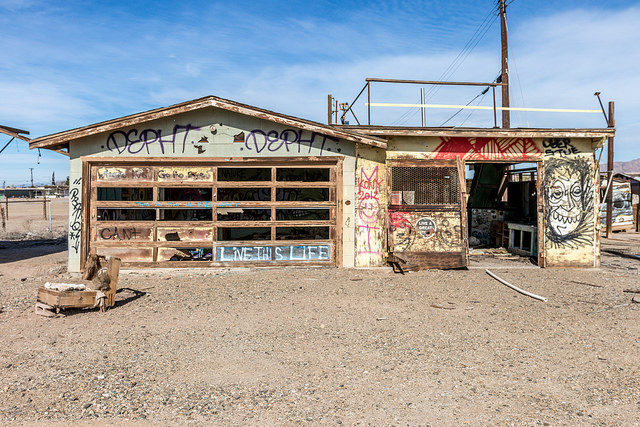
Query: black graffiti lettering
{"points": [[559, 146], [112, 142], [74, 220], [569, 204], [273, 141], [116, 233], [120, 141]]}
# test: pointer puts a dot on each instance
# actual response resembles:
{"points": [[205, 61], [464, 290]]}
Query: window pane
{"points": [[243, 214], [184, 194], [302, 233], [244, 194], [125, 194], [306, 214], [302, 194], [303, 174], [185, 215], [244, 174], [244, 233], [117, 214]]}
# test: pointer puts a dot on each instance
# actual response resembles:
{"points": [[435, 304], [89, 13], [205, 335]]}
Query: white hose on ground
{"points": [[515, 288]]}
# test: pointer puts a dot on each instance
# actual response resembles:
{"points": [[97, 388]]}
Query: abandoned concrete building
{"points": [[212, 182]]}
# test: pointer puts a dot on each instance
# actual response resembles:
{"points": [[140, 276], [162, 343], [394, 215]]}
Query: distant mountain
{"points": [[625, 167]]}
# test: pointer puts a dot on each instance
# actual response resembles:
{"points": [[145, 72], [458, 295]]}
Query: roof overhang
{"points": [[61, 139], [391, 131]]}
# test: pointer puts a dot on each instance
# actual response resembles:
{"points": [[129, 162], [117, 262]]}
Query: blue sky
{"points": [[68, 64]]}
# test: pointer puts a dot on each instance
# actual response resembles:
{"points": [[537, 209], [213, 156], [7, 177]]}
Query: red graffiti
{"points": [[522, 149], [369, 208], [398, 221], [369, 196]]}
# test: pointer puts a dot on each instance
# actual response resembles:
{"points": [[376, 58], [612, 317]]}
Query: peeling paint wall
{"points": [[371, 207], [208, 134]]}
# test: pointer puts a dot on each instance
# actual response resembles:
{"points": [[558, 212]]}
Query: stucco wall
{"points": [[207, 134]]}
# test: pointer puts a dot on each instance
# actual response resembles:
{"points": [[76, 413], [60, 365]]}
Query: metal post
{"points": [[495, 115], [44, 206], [506, 117], [6, 206], [50, 215], [369, 103], [424, 110], [329, 109], [612, 123]]}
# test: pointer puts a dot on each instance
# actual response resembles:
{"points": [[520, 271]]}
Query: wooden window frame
{"points": [[91, 204]]}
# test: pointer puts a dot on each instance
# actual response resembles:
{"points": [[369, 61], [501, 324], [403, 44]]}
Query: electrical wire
{"points": [[484, 92], [475, 39]]}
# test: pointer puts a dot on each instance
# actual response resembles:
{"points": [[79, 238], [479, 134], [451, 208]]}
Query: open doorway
{"points": [[502, 209]]}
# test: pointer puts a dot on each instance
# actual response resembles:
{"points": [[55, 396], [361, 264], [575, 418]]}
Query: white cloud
{"points": [[561, 60]]}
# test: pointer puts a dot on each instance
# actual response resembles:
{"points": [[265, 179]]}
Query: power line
{"points": [[475, 39], [468, 103]]}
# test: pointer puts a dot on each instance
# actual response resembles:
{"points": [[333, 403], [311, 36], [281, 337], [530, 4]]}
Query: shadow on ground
{"points": [[17, 250]]}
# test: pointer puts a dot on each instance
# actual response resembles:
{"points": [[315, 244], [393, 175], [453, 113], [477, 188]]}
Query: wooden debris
{"points": [[585, 283], [44, 310], [515, 288], [632, 291], [91, 267], [442, 307]]}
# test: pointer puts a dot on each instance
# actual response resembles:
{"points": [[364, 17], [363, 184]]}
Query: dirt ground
{"points": [[321, 345]]}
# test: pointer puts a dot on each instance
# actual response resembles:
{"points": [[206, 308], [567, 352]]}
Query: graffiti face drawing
{"points": [[566, 205], [568, 191]]}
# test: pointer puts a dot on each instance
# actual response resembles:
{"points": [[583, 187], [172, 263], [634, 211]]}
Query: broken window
{"points": [[244, 233], [302, 214], [302, 233], [190, 254], [302, 194], [185, 215], [243, 214], [125, 194], [244, 174], [184, 194], [119, 214], [244, 194], [303, 174]]}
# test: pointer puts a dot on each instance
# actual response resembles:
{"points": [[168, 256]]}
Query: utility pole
{"points": [[506, 114], [612, 123], [31, 169]]}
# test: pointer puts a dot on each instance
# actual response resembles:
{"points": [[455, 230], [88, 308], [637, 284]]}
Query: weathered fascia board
{"points": [[386, 131], [11, 132], [61, 139]]}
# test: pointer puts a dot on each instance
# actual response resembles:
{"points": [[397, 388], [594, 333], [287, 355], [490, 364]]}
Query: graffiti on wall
{"points": [[622, 205], [448, 235], [369, 207], [487, 149], [568, 192], [558, 146], [134, 141], [286, 141], [76, 211], [402, 230], [277, 253]]}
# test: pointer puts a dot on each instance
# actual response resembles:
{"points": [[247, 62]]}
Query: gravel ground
{"points": [[321, 345]]}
